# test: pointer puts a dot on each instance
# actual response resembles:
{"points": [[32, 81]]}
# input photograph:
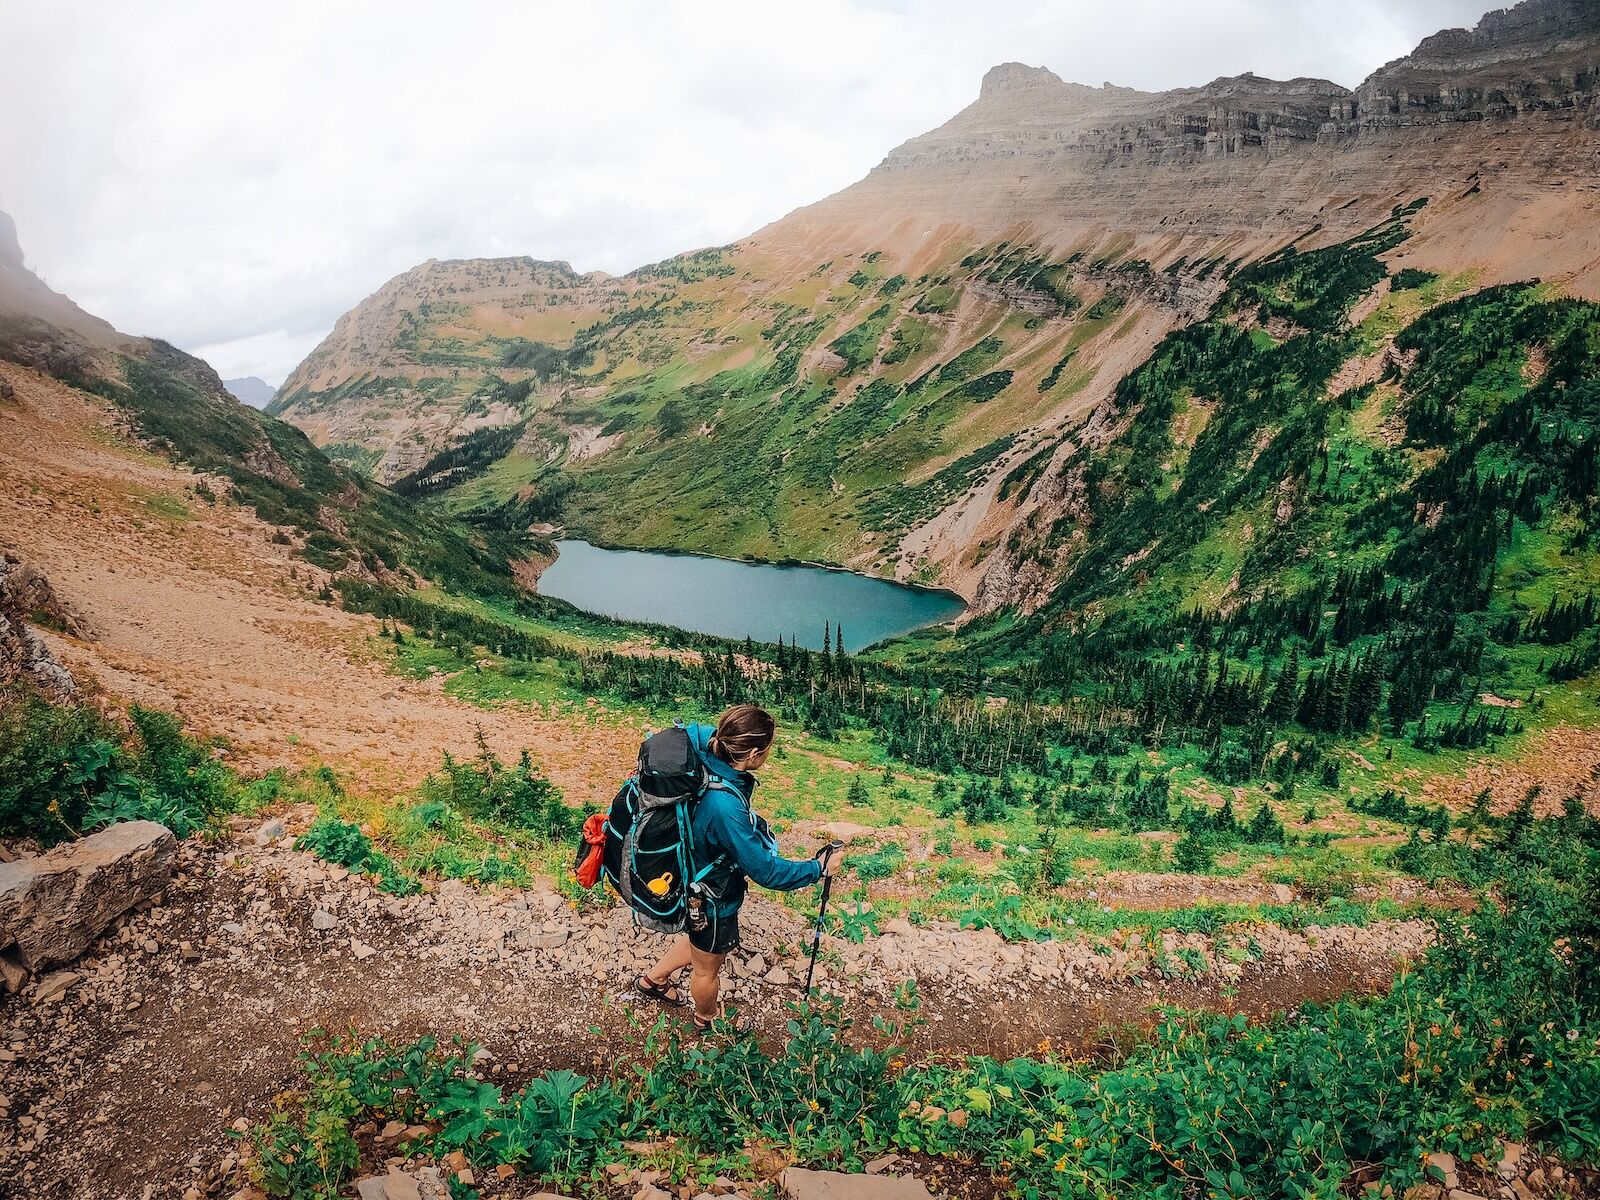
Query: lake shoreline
{"points": [[735, 598], [966, 602]]}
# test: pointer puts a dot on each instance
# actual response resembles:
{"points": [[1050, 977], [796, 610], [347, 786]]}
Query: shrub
{"points": [[64, 770], [336, 841], [520, 796]]}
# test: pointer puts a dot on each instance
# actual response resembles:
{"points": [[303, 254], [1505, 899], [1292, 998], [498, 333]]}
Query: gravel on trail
{"points": [[126, 1072]]}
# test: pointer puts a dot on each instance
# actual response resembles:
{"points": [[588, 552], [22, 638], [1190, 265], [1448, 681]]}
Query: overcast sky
{"points": [[232, 177]]}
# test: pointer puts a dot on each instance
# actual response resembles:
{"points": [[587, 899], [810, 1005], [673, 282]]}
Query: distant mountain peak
{"points": [[1017, 77], [251, 390]]}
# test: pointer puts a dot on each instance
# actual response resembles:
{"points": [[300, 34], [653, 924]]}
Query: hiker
{"points": [[728, 833]]}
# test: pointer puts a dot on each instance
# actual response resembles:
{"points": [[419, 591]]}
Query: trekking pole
{"points": [[822, 909]]}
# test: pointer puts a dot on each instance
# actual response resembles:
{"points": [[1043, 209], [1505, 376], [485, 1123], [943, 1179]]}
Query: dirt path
{"points": [[188, 1014], [205, 615]]}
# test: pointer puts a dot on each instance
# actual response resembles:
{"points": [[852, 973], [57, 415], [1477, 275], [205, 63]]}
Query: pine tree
{"points": [[857, 796], [1286, 691]]}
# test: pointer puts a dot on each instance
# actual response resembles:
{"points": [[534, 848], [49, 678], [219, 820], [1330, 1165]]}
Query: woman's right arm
{"points": [[764, 865]]}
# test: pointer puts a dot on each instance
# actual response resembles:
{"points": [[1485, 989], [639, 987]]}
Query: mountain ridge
{"points": [[1040, 203]]}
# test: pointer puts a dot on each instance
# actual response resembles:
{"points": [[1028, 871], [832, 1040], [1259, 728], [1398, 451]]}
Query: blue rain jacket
{"points": [[726, 827]]}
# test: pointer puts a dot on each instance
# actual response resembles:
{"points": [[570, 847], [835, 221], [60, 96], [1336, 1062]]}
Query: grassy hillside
{"points": [[1382, 533], [718, 399], [338, 520]]}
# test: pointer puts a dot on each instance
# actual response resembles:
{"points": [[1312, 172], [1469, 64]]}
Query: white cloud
{"points": [[233, 178]]}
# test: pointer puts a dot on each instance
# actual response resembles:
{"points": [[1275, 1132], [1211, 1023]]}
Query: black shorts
{"points": [[720, 935]]}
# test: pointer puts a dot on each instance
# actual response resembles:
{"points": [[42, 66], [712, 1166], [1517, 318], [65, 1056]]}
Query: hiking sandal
{"points": [[662, 993], [706, 1027]]}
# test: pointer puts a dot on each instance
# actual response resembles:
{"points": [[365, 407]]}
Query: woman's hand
{"points": [[831, 858]]}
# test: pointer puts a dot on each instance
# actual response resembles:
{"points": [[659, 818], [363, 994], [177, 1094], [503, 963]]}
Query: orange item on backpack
{"points": [[587, 868]]}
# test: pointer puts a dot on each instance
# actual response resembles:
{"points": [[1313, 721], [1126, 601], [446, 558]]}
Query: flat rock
{"points": [[54, 905], [56, 985], [800, 1184]]}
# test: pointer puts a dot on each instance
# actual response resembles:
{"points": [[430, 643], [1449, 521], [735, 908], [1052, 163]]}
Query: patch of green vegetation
{"points": [[911, 338], [1053, 376], [903, 507], [940, 298], [67, 770], [1108, 306], [360, 459], [859, 346], [983, 388]]}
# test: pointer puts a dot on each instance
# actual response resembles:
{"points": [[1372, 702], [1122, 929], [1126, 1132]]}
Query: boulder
{"points": [[26, 595], [54, 905], [800, 1184]]}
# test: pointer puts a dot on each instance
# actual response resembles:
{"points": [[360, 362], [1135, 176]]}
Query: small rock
{"points": [[13, 975], [1510, 1161], [56, 985], [269, 832], [879, 1165], [360, 949], [372, 1188], [778, 977], [397, 1185], [800, 1184], [1442, 1167], [322, 920]]}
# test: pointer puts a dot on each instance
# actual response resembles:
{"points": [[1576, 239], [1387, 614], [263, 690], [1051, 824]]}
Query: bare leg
{"points": [[705, 982], [677, 957]]}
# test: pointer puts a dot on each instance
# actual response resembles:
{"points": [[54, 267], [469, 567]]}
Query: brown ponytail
{"points": [[742, 731]]}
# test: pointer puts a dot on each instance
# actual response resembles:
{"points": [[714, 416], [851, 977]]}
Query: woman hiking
{"points": [[727, 830]]}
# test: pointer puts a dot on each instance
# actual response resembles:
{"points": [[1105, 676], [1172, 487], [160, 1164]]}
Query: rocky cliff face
{"points": [[1542, 56], [1027, 112]]}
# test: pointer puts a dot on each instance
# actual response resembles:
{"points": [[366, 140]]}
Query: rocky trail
{"points": [[126, 1069]]}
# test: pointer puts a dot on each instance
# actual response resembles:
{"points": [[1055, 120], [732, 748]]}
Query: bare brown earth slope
{"points": [[1027, 254]]}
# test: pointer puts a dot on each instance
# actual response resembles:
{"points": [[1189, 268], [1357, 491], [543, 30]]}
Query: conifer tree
{"points": [[857, 796]]}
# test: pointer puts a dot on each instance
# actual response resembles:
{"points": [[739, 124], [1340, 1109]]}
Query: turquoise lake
{"points": [[732, 599]]}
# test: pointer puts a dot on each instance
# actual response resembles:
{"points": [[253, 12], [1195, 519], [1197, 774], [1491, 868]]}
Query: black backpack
{"points": [[649, 848]]}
